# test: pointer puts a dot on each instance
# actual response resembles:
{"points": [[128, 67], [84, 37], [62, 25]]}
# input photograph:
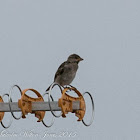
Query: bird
{"points": [[66, 72]]}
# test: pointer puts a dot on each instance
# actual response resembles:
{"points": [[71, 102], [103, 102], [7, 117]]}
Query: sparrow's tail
{"points": [[48, 88]]}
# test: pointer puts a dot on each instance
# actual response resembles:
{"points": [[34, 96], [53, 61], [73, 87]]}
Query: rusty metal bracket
{"points": [[1, 113], [66, 103], [25, 103]]}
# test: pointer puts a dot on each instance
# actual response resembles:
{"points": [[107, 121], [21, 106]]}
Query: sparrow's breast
{"points": [[68, 75]]}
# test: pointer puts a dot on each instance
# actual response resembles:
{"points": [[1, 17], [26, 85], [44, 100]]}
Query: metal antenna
{"points": [[38, 106]]}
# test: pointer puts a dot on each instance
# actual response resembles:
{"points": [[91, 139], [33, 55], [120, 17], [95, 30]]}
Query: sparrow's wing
{"points": [[60, 69]]}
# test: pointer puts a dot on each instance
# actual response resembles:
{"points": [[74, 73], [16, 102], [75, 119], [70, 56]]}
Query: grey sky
{"points": [[37, 36]]}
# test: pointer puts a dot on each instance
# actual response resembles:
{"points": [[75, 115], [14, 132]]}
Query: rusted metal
{"points": [[25, 103], [66, 103], [1, 113]]}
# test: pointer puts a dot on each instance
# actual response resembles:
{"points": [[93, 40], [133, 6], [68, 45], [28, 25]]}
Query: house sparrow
{"points": [[67, 70]]}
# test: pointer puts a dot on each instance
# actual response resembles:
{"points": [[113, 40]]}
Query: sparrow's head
{"points": [[74, 58]]}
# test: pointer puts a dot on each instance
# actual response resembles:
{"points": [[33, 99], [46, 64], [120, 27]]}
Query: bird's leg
{"points": [[67, 86], [71, 86]]}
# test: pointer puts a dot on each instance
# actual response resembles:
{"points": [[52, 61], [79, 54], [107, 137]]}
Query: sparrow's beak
{"points": [[81, 59]]}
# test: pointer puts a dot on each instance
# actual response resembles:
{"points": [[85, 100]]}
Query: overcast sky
{"points": [[37, 36]]}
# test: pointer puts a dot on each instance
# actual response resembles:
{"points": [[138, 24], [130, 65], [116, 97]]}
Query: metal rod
{"points": [[36, 106]]}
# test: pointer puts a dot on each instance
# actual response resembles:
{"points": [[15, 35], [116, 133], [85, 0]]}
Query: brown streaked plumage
{"points": [[67, 70]]}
